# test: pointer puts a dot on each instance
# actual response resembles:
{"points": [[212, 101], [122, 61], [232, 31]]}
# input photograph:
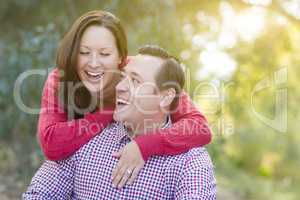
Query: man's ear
{"points": [[167, 97]]}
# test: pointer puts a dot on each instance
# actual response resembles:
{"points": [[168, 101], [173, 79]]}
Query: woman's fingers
{"points": [[119, 175], [120, 164], [134, 174], [130, 161], [117, 169], [126, 176], [117, 154]]}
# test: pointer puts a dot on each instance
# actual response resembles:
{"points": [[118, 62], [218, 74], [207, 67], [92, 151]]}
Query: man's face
{"points": [[137, 95]]}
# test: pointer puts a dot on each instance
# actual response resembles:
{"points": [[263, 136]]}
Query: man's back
{"points": [[183, 176]]}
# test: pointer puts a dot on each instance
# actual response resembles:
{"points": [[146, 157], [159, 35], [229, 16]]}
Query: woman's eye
{"points": [[104, 54], [84, 52]]}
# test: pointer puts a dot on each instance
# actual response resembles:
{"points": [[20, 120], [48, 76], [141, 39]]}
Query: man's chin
{"points": [[118, 117]]}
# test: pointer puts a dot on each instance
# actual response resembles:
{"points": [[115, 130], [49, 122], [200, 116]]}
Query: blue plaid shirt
{"points": [[87, 174]]}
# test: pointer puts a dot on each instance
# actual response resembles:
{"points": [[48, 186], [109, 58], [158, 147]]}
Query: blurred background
{"points": [[242, 63]]}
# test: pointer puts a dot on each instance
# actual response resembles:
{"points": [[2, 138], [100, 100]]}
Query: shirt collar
{"points": [[121, 131], [168, 123]]}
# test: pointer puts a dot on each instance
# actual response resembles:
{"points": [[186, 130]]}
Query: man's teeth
{"points": [[121, 101]]}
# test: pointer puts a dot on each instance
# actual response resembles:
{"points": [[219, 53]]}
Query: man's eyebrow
{"points": [[131, 73], [135, 75]]}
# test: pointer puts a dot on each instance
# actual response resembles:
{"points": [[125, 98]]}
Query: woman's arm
{"points": [[189, 129], [60, 138]]}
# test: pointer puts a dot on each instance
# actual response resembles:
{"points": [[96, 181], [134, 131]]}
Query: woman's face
{"points": [[98, 58]]}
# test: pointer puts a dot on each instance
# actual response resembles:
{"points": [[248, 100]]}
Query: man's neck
{"points": [[147, 125]]}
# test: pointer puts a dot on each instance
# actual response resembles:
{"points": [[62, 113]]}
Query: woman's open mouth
{"points": [[94, 76]]}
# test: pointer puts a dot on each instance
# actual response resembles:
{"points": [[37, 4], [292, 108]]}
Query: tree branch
{"points": [[278, 7], [274, 6]]}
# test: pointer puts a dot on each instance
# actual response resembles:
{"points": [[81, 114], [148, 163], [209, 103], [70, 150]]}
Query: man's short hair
{"points": [[170, 75]]}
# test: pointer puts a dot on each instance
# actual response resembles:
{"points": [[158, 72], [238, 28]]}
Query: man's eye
{"points": [[135, 81], [122, 76]]}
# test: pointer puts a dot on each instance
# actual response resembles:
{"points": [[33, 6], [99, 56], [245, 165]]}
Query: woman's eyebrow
{"points": [[102, 48], [84, 46]]}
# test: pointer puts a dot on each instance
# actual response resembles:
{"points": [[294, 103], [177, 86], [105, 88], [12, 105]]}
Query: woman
{"points": [[78, 102]]}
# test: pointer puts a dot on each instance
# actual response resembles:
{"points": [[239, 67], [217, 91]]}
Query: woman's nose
{"points": [[94, 60]]}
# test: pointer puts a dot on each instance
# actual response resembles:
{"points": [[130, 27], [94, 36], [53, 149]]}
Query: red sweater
{"points": [[60, 138]]}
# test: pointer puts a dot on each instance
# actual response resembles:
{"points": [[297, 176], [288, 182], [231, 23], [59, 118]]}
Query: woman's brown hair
{"points": [[66, 62]]}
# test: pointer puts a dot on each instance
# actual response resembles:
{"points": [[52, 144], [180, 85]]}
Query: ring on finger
{"points": [[129, 171]]}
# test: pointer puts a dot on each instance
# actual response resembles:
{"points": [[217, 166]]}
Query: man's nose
{"points": [[122, 86]]}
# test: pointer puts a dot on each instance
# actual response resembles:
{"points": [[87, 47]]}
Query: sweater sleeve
{"points": [[189, 130], [58, 137]]}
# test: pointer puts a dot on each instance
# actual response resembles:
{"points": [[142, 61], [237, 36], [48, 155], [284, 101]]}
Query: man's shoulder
{"points": [[194, 158], [198, 157]]}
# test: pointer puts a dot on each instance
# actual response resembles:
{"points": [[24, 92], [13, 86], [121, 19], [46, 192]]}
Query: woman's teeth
{"points": [[94, 75]]}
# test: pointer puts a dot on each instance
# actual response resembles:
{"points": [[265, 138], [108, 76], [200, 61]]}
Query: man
{"points": [[148, 92]]}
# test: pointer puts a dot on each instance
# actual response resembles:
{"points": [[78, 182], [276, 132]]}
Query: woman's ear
{"points": [[167, 98], [123, 62], [120, 63]]}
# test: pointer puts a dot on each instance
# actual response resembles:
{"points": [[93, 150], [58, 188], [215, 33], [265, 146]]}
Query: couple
{"points": [[151, 150]]}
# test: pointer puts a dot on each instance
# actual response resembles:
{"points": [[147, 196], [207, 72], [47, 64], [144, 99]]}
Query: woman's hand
{"points": [[130, 163]]}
